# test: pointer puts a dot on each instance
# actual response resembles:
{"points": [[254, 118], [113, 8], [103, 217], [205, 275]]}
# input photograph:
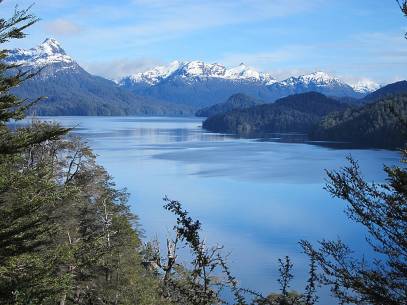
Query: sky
{"points": [[352, 39]]}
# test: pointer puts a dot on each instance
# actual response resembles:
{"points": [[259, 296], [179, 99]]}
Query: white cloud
{"points": [[115, 69], [62, 27]]}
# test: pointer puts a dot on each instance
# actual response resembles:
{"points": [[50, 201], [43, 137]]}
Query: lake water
{"points": [[256, 198]]}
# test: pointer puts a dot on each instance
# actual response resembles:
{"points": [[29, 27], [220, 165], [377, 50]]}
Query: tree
{"points": [[67, 235], [403, 6], [12, 75], [207, 275], [382, 210]]}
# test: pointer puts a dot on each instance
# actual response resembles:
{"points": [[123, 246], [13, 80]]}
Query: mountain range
{"points": [[177, 89], [200, 84]]}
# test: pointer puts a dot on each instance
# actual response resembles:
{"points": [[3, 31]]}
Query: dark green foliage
{"points": [[295, 113], [236, 101], [66, 234], [381, 124], [285, 275], [382, 210]]}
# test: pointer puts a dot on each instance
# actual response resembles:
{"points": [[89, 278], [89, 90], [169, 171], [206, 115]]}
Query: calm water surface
{"points": [[256, 198]]}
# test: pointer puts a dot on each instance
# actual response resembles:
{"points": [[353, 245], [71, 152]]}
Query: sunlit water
{"points": [[256, 198]]}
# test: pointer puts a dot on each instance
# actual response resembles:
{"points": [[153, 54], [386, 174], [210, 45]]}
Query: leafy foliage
{"points": [[382, 210]]}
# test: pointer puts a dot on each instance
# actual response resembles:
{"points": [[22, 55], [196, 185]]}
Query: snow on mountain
{"points": [[246, 73], [153, 76], [194, 70], [365, 86], [193, 83], [317, 79], [49, 52]]}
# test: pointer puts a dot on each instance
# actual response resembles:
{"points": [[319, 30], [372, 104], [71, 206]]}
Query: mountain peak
{"points": [[318, 76], [47, 54], [52, 46]]}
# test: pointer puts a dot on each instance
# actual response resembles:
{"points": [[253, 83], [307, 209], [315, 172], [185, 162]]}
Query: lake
{"points": [[257, 198]]}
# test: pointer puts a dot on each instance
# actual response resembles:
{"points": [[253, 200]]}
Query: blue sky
{"points": [[352, 39]]}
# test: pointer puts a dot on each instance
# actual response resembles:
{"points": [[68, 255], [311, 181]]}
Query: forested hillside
{"points": [[295, 113], [381, 124]]}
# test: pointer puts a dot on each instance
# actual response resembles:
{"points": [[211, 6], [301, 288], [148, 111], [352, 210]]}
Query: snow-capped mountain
{"points": [[197, 70], [318, 81], [48, 55], [71, 90], [319, 78], [155, 75], [202, 84], [192, 84], [365, 86]]}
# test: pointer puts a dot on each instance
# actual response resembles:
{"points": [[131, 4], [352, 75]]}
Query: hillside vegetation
{"points": [[381, 124], [295, 113]]}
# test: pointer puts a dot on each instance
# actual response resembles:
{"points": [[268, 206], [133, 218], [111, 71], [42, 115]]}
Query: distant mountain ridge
{"points": [[201, 84], [70, 90]]}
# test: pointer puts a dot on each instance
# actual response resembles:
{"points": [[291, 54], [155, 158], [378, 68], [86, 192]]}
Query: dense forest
{"points": [[67, 235], [380, 124], [295, 113]]}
